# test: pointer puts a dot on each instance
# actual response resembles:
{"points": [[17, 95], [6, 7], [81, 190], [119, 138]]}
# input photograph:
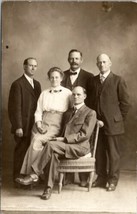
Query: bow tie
{"points": [[72, 73], [55, 91]]}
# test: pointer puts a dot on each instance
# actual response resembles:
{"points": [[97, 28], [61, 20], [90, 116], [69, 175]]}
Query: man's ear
{"points": [[82, 60], [110, 63], [85, 96]]}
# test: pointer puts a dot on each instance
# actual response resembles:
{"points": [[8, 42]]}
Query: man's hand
{"points": [[19, 132]]}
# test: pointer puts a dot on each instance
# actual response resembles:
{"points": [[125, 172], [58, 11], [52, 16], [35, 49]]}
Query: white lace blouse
{"points": [[52, 99]]}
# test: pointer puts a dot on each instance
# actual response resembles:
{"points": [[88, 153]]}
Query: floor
{"points": [[72, 199]]}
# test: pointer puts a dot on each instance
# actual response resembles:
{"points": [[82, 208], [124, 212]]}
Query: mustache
{"points": [[74, 63]]}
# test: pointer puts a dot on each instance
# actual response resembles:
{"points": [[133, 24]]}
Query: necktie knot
{"points": [[102, 78], [74, 110], [72, 73]]}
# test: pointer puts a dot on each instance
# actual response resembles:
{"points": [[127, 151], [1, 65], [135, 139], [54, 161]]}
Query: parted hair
{"points": [[57, 69], [26, 60]]}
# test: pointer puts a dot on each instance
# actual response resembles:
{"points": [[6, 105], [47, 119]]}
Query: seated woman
{"points": [[51, 105]]}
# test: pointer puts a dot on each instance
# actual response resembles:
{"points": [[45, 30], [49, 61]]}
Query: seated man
{"points": [[77, 129]]}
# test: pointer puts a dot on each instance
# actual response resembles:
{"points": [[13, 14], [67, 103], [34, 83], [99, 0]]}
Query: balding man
{"points": [[111, 102], [78, 124]]}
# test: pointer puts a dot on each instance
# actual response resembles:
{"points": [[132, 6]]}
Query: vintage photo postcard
{"points": [[69, 107]]}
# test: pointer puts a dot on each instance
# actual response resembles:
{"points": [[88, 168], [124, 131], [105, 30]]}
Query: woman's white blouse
{"points": [[53, 101]]}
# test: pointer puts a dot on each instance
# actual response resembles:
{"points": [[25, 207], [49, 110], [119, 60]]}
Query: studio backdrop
{"points": [[49, 30]]}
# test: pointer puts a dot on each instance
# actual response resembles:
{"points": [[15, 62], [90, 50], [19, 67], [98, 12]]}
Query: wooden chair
{"points": [[83, 164]]}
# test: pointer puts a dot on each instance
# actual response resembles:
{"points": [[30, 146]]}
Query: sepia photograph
{"points": [[69, 107]]}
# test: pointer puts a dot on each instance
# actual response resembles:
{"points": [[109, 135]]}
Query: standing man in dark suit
{"points": [[22, 103], [111, 102], [74, 142], [76, 76]]}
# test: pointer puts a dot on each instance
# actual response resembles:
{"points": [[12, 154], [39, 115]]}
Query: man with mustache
{"points": [[76, 76]]}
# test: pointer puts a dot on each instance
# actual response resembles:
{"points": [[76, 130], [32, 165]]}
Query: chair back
{"points": [[94, 137]]}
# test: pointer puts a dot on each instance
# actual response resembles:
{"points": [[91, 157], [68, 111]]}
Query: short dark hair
{"points": [[84, 90], [26, 60], [75, 50], [57, 69]]}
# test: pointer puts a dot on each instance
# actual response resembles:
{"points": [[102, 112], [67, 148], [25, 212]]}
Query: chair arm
{"points": [[100, 123]]}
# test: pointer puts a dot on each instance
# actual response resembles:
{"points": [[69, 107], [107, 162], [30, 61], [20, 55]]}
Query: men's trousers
{"points": [[108, 157], [49, 160], [22, 144]]}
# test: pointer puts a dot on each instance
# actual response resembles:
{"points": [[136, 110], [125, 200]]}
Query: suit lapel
{"points": [[80, 76], [28, 86], [78, 113], [105, 85], [107, 82]]}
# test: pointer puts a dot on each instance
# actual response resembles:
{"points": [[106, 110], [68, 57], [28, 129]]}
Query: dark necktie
{"points": [[72, 73], [74, 111]]}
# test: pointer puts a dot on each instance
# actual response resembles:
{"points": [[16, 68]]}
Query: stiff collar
{"points": [[105, 75], [78, 70], [28, 78], [79, 105]]}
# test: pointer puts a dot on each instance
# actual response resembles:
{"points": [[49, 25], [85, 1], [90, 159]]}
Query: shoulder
{"points": [[86, 73], [89, 110], [117, 78], [18, 81], [66, 90], [36, 81], [66, 72], [45, 91], [96, 77]]}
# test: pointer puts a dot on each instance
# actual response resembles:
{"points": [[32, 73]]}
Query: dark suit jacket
{"points": [[111, 102], [78, 130], [22, 104], [84, 79]]}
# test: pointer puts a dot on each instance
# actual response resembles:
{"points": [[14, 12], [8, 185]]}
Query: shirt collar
{"points": [[79, 105], [28, 78], [78, 70], [105, 75]]}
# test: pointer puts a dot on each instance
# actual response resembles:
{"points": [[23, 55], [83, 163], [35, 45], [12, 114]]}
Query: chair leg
{"points": [[61, 175], [91, 175]]}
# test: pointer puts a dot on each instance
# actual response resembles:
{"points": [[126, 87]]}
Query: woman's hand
{"points": [[40, 128]]}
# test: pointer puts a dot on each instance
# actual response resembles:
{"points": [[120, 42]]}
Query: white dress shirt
{"points": [[53, 101], [77, 107], [74, 77], [105, 75], [30, 80]]}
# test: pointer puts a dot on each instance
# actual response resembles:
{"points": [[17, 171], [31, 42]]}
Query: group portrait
{"points": [[69, 107]]}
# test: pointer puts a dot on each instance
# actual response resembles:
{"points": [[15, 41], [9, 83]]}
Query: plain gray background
{"points": [[49, 30]]}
